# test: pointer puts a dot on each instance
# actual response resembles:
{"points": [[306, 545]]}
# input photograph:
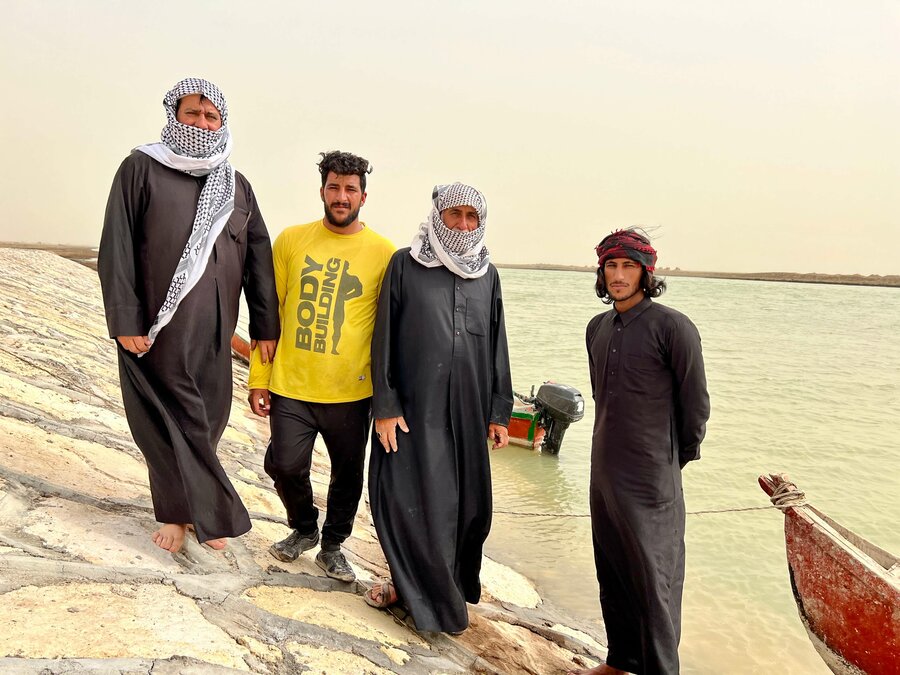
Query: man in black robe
{"points": [[440, 369], [649, 388], [182, 236]]}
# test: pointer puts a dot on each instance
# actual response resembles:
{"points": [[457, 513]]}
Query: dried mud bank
{"points": [[82, 588]]}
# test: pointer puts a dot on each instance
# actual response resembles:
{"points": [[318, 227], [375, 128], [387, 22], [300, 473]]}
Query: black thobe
{"points": [[649, 388], [439, 359], [178, 395]]}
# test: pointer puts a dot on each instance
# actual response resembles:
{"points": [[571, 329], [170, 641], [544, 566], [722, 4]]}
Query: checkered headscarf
{"points": [[191, 141], [462, 252], [197, 152]]}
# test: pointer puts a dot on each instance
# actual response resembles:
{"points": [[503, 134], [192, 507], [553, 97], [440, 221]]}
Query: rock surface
{"points": [[83, 589]]}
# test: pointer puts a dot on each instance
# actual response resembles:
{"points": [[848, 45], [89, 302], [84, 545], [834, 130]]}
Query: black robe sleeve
{"points": [[501, 395], [259, 276], [588, 337], [116, 259], [691, 396], [385, 398]]}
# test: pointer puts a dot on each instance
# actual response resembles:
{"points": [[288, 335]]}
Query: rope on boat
{"points": [[690, 513], [786, 495]]}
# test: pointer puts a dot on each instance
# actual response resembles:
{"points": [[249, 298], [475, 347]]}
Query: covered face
{"points": [[195, 110], [459, 207], [199, 128], [458, 218], [453, 232]]}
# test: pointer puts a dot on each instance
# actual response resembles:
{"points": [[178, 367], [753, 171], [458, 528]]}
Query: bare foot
{"points": [[216, 544], [602, 669], [169, 537]]}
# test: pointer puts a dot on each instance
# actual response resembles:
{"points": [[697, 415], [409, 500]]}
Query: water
{"points": [[804, 379]]}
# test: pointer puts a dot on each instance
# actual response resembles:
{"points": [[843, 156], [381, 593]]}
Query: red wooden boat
{"points": [[525, 425], [240, 349], [540, 420], [847, 589]]}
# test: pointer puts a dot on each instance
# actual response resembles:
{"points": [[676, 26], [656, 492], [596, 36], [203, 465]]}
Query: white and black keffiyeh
{"points": [[463, 253], [197, 152]]}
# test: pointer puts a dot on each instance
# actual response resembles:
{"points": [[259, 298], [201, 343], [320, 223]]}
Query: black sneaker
{"points": [[335, 565], [290, 548]]}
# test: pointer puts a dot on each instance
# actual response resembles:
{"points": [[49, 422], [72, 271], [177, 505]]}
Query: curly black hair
{"points": [[344, 164]]}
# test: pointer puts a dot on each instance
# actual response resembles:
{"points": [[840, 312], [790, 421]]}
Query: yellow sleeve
{"points": [[260, 373], [280, 262]]}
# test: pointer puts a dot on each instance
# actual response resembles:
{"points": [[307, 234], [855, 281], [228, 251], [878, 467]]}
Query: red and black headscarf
{"points": [[627, 244]]}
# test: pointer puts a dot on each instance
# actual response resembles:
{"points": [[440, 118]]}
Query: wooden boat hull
{"points": [[240, 349], [847, 590], [524, 427]]}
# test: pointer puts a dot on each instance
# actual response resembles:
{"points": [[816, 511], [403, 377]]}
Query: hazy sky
{"points": [[758, 136]]}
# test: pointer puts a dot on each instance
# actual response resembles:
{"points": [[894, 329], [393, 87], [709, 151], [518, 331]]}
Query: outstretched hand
{"points": [[499, 434], [386, 431]]}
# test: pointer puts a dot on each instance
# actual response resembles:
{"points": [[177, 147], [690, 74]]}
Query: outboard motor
{"points": [[560, 405]]}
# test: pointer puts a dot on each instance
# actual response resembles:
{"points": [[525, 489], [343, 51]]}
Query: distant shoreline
{"points": [[889, 281], [87, 256]]}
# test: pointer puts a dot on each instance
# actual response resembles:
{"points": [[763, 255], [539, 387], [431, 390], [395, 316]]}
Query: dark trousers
{"points": [[345, 429]]}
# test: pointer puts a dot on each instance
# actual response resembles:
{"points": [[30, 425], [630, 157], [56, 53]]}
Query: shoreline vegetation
{"points": [[87, 256]]}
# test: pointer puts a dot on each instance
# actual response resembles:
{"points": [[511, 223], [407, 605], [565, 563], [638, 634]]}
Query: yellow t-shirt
{"points": [[328, 288]]}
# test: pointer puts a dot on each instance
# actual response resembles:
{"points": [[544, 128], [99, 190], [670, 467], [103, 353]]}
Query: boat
{"points": [[847, 589], [240, 349], [539, 421], [524, 424]]}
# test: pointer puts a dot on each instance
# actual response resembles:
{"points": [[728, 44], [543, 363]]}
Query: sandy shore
{"points": [[83, 589], [85, 255]]}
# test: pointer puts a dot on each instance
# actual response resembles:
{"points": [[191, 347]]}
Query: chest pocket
{"points": [[237, 224], [647, 376], [476, 317], [644, 365]]}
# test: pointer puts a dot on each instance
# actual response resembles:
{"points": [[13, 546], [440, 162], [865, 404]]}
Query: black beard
{"points": [[636, 291], [353, 215]]}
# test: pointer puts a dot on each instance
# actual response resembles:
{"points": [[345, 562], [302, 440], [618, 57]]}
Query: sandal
{"points": [[381, 595]]}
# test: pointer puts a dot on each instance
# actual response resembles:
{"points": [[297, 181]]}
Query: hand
{"points": [[499, 434], [136, 344], [259, 402], [386, 430], [266, 349]]}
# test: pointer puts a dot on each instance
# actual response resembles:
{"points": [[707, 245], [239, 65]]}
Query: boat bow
{"points": [[846, 588]]}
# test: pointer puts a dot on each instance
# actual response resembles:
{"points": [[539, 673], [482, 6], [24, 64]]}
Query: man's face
{"points": [[196, 111], [343, 198], [623, 282], [463, 218]]}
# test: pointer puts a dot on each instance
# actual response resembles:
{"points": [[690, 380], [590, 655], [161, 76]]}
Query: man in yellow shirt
{"points": [[328, 275]]}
